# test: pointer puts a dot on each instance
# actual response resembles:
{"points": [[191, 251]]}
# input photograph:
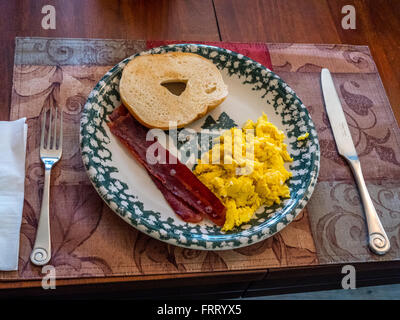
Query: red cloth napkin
{"points": [[256, 51]]}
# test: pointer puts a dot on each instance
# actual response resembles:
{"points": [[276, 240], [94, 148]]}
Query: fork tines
{"points": [[49, 140]]}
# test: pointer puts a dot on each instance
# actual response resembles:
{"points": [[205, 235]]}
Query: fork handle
{"points": [[378, 240], [41, 252]]}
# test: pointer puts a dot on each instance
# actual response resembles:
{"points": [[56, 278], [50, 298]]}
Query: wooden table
{"points": [[302, 21]]}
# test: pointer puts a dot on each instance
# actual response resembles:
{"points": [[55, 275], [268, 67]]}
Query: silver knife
{"points": [[377, 239]]}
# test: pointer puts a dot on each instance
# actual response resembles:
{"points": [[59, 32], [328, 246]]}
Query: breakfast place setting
{"points": [[134, 161]]}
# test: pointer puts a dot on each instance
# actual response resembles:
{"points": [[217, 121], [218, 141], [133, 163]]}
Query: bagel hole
{"points": [[175, 87]]}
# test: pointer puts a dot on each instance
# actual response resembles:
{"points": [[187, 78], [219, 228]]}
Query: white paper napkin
{"points": [[12, 176]]}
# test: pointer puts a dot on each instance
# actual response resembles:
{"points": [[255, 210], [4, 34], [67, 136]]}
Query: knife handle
{"points": [[378, 241]]}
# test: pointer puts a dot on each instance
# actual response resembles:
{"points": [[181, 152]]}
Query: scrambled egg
{"points": [[303, 137], [245, 169]]}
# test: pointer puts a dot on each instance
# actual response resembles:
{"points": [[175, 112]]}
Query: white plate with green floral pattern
{"points": [[128, 190]]}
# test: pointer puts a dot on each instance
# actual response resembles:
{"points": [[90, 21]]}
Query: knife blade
{"points": [[378, 241], [336, 117]]}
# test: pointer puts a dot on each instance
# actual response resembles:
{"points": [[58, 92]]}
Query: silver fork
{"points": [[50, 153]]}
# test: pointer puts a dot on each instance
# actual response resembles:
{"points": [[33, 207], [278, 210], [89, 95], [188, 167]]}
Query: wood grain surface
{"points": [[299, 21], [106, 19], [319, 21]]}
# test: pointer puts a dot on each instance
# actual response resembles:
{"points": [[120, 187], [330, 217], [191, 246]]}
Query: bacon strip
{"points": [[186, 194], [181, 209]]}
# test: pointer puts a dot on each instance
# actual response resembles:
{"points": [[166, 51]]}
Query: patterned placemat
{"points": [[89, 240]]}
